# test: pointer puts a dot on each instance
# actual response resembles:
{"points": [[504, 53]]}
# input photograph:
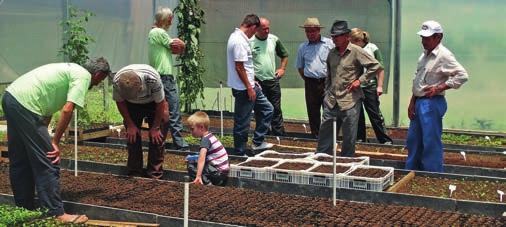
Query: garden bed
{"points": [[242, 206]]}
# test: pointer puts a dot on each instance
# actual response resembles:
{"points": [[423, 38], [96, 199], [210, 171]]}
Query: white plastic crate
{"points": [[367, 183], [324, 179], [298, 155], [362, 160], [290, 176], [257, 173]]}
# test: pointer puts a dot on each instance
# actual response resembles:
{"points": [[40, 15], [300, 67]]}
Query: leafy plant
{"points": [[191, 17], [10, 216], [75, 46]]}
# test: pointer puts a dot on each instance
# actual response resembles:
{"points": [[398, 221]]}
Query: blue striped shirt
{"points": [[312, 57]]}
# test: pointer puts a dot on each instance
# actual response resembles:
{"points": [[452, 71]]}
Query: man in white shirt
{"points": [[138, 92], [437, 71], [248, 95]]}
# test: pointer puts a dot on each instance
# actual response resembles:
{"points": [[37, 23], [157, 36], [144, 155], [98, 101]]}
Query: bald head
{"points": [[263, 30]]}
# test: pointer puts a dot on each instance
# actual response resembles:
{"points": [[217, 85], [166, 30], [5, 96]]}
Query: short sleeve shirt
{"points": [[45, 89], [239, 50], [159, 53], [312, 57], [264, 56], [152, 87]]}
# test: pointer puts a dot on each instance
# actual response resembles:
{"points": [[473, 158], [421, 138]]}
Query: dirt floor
{"points": [[245, 207]]}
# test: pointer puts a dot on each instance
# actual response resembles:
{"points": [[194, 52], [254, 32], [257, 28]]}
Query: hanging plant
{"points": [[190, 19]]}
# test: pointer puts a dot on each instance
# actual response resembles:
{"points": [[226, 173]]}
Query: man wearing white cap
{"points": [[138, 92], [437, 71]]}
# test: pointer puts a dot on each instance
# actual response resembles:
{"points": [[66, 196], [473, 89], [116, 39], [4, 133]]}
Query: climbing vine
{"points": [[75, 46], [190, 19]]}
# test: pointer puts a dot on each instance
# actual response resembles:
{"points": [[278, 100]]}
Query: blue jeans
{"points": [[242, 118], [348, 119], [175, 126], [425, 147]]}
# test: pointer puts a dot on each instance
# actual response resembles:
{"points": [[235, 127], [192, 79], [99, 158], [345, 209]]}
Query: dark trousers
{"points": [[30, 169], [155, 154], [209, 174], [175, 125], [272, 91], [371, 104], [314, 92], [348, 119]]}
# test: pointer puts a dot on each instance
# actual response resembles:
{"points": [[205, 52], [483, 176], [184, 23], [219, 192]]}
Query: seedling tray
{"points": [[368, 183]]}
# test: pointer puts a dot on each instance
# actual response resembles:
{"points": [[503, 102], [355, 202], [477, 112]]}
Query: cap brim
{"points": [[340, 32], [425, 33]]}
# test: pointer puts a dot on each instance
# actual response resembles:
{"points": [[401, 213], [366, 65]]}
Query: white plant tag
{"points": [[463, 155], [504, 152], [452, 188], [279, 141], [501, 193], [118, 130], [305, 128], [488, 138]]}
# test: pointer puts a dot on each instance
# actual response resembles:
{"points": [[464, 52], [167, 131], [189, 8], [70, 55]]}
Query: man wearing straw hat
{"points": [[312, 68], [345, 68], [138, 92]]}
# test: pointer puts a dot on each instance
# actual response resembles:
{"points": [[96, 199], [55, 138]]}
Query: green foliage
{"points": [[191, 86], [76, 38], [473, 140], [11, 216], [75, 46]]}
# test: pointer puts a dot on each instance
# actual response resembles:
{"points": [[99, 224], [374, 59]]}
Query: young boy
{"points": [[212, 166]]}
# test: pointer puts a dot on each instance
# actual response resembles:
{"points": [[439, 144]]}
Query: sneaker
{"points": [[262, 146], [388, 143]]}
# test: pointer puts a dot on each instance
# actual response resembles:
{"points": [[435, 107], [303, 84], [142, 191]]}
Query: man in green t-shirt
{"points": [[265, 47], [28, 104], [160, 49]]}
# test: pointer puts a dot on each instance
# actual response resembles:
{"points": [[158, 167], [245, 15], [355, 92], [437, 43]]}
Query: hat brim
{"points": [[425, 33], [311, 26], [341, 32]]}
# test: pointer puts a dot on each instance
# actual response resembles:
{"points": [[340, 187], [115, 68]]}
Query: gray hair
{"points": [[95, 65], [163, 14]]}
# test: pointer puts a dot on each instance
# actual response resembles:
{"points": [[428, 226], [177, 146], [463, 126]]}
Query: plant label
{"points": [[118, 130], [504, 152], [463, 155], [279, 141], [488, 138], [501, 193], [305, 128], [452, 188]]}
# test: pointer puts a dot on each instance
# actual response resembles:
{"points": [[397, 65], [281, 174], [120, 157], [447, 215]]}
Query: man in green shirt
{"points": [[265, 47], [160, 49], [28, 104]]}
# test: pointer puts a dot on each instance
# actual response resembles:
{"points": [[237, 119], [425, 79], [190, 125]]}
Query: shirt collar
{"points": [[242, 33]]}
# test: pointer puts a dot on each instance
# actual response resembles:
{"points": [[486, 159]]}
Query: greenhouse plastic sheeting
{"points": [[31, 34], [222, 16]]}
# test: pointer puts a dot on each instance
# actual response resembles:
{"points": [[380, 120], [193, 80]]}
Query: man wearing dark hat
{"points": [[310, 63], [437, 71], [345, 69], [138, 92]]}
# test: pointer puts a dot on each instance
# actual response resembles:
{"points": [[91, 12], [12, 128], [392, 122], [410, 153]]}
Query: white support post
{"points": [[75, 142], [334, 148], [221, 109], [186, 201]]}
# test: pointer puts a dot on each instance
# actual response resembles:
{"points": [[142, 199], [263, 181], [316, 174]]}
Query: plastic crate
{"points": [[367, 183], [290, 176], [324, 179], [363, 160], [299, 155], [257, 173]]}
